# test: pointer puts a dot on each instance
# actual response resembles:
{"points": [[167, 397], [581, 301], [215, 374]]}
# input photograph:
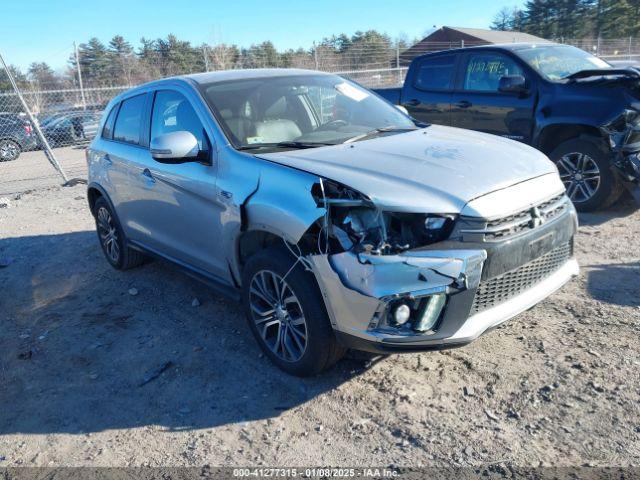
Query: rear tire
{"points": [[112, 239], [585, 170], [290, 324], [9, 150]]}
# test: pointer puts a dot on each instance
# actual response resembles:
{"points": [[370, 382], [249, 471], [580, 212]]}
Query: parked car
{"points": [[70, 128], [16, 136], [336, 220], [569, 104]]}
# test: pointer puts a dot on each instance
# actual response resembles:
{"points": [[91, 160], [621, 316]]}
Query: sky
{"points": [[46, 29]]}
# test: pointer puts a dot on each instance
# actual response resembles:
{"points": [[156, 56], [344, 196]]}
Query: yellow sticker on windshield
{"points": [[352, 92]]}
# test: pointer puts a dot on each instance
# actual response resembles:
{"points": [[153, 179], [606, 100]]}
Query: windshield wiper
{"points": [[375, 131], [286, 144]]}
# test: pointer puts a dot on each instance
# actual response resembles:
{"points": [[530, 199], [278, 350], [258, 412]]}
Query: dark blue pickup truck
{"points": [[575, 107]]}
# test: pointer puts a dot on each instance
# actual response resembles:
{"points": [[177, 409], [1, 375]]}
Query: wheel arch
{"points": [[95, 191], [555, 134]]}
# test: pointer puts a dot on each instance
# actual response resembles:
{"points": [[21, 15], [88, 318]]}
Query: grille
{"points": [[503, 287], [501, 228]]}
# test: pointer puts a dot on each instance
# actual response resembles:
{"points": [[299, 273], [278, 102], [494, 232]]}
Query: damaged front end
{"points": [[379, 271], [623, 133]]}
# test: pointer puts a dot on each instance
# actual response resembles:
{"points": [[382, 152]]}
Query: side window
{"points": [[107, 131], [172, 112], [436, 73], [484, 71], [127, 127]]}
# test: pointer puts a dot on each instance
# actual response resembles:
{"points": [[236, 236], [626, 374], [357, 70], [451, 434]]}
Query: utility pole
{"points": [[45, 145], [315, 54], [206, 58], [75, 49]]}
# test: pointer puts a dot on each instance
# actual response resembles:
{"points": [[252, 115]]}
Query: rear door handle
{"points": [[463, 104], [414, 102]]}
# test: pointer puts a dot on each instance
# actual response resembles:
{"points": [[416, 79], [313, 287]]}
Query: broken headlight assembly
{"points": [[353, 223]]}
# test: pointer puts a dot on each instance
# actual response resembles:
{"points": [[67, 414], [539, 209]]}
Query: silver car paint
{"points": [[437, 169], [195, 213]]}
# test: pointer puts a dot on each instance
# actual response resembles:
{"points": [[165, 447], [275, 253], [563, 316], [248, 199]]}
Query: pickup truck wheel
{"points": [[286, 314], [112, 239], [586, 173], [9, 150]]}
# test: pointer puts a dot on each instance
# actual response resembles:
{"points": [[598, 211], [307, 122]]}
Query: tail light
{"points": [[28, 129]]}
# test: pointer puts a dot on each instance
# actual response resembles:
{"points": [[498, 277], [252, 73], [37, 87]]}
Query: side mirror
{"points": [[175, 146], [513, 84], [402, 109]]}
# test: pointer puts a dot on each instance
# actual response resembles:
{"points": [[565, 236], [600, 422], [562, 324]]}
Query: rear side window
{"points": [[107, 131], [436, 73], [127, 127]]}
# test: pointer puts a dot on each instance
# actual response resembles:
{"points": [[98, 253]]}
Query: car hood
{"points": [[436, 169]]}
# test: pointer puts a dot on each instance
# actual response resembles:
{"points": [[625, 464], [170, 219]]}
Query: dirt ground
{"points": [[91, 375]]}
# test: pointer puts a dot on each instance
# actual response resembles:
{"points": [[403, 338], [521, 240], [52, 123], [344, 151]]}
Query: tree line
{"points": [[573, 19], [118, 63]]}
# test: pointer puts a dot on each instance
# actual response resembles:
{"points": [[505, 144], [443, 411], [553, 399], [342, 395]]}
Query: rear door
{"points": [[427, 92], [121, 163], [478, 105]]}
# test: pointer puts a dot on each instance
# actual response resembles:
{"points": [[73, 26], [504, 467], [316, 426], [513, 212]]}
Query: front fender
{"points": [[283, 203]]}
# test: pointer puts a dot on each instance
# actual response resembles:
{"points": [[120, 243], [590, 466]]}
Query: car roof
{"points": [[513, 47], [218, 76]]}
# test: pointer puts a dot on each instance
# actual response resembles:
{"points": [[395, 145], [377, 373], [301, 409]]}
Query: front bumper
{"points": [[359, 291]]}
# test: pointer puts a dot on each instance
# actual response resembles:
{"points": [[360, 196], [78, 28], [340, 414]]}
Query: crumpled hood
{"points": [[436, 169]]}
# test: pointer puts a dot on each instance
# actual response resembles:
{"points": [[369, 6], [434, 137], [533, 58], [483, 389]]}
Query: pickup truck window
{"points": [[484, 71], [435, 73], [559, 61]]}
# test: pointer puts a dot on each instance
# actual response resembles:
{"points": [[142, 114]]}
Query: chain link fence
{"points": [[67, 109]]}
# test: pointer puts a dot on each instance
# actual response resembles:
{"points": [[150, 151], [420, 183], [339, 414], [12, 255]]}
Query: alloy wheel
{"points": [[8, 150], [580, 175], [108, 234], [278, 315]]}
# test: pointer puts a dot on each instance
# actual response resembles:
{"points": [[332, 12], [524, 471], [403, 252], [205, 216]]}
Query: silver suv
{"points": [[339, 221]]}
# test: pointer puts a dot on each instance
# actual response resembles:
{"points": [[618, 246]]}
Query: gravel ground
{"points": [[105, 368]]}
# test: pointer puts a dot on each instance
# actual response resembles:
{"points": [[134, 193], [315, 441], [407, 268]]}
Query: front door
{"points": [[183, 217], [477, 104]]}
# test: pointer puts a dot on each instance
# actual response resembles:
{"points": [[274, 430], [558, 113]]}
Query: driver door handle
{"points": [[463, 104]]}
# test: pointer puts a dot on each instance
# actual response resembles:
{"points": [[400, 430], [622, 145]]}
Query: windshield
{"points": [[559, 61], [299, 111]]}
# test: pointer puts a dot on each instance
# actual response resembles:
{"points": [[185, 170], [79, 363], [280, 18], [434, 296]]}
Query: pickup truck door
{"points": [[477, 104], [427, 91]]}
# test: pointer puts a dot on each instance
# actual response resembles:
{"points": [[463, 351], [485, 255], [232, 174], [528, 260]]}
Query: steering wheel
{"points": [[331, 125]]}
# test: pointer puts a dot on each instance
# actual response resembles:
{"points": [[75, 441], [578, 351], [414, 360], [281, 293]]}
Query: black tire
{"points": [[111, 238], [9, 150], [321, 350], [586, 193]]}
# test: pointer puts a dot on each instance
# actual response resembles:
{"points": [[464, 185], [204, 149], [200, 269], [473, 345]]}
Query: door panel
{"points": [[478, 105], [179, 200], [428, 98]]}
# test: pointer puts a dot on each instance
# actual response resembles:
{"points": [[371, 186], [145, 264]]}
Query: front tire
{"points": [[112, 239], [9, 150], [287, 315], [586, 172]]}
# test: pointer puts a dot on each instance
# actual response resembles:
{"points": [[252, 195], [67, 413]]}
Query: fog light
{"points": [[434, 223], [431, 313], [401, 314]]}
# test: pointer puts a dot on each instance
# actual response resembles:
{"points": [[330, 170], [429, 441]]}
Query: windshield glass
{"points": [[559, 61], [307, 110]]}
